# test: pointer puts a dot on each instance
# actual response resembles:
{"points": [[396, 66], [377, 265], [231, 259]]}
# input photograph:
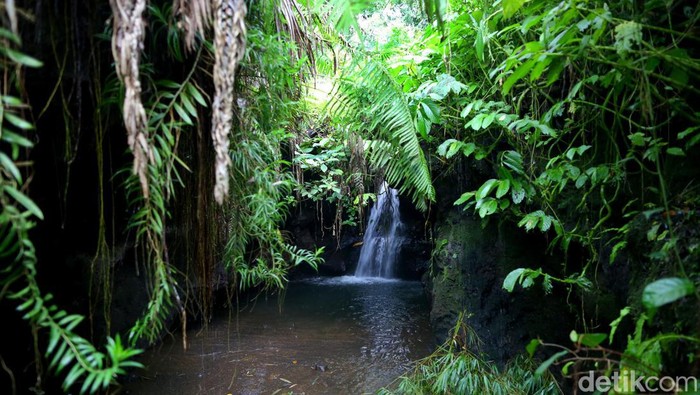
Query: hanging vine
{"points": [[229, 44], [67, 351], [127, 42]]}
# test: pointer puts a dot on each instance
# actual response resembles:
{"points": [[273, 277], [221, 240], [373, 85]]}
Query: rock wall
{"points": [[469, 263], [310, 230]]}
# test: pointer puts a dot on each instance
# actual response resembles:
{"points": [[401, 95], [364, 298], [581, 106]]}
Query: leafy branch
{"points": [[18, 278], [391, 125]]}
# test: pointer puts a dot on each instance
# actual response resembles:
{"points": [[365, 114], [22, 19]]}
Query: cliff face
{"points": [[310, 229], [470, 260]]}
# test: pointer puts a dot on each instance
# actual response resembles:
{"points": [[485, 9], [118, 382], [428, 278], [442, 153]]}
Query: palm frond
{"points": [[297, 23], [371, 95], [195, 17]]}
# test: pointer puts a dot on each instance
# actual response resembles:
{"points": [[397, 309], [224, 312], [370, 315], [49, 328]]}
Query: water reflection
{"points": [[333, 336]]}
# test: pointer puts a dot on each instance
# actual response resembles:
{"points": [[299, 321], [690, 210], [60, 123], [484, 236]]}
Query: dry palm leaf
{"points": [[229, 44], [195, 18], [127, 43]]}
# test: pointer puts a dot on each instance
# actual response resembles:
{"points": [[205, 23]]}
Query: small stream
{"points": [[343, 335]]}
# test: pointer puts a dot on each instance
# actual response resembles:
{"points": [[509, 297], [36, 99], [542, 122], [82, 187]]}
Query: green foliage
{"points": [[256, 251], [67, 351], [435, 10], [642, 354], [370, 94], [584, 111], [333, 170], [526, 278], [537, 134], [585, 114], [510, 7], [588, 339], [173, 108], [665, 291], [326, 163], [340, 15], [454, 369]]}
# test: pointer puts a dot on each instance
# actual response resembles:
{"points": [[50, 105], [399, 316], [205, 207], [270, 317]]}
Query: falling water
{"points": [[381, 243]]}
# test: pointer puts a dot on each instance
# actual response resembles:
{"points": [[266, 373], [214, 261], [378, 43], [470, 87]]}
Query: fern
{"points": [[67, 351], [173, 109], [371, 94], [454, 369], [256, 251]]}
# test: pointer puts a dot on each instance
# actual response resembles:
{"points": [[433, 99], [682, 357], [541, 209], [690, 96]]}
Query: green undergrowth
{"points": [[455, 368]]}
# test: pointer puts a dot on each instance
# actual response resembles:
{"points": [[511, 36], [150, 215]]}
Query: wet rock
{"points": [[341, 256], [470, 261]]}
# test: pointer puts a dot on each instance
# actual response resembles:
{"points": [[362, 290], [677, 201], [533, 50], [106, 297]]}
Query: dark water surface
{"points": [[342, 335]]}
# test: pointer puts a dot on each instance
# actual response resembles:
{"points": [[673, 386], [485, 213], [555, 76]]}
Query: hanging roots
{"points": [[358, 171], [127, 43], [229, 41], [195, 18]]}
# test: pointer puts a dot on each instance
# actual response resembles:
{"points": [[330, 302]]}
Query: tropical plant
{"points": [[643, 354], [333, 171], [67, 351], [161, 105], [584, 111], [581, 115], [257, 253], [370, 96], [456, 368]]}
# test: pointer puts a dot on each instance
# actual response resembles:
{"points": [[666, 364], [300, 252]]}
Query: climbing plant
{"points": [[68, 352]]}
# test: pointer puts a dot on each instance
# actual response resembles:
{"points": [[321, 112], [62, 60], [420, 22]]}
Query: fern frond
{"points": [[173, 108], [66, 350], [371, 94]]}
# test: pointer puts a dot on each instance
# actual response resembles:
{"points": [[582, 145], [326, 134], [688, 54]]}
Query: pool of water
{"points": [[341, 335]]}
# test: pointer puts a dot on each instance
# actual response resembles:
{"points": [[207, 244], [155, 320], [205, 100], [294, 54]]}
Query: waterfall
{"points": [[381, 243]]}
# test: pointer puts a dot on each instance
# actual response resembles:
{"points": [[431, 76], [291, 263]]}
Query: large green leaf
{"points": [[512, 279], [665, 291], [592, 339], [517, 75], [510, 7]]}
